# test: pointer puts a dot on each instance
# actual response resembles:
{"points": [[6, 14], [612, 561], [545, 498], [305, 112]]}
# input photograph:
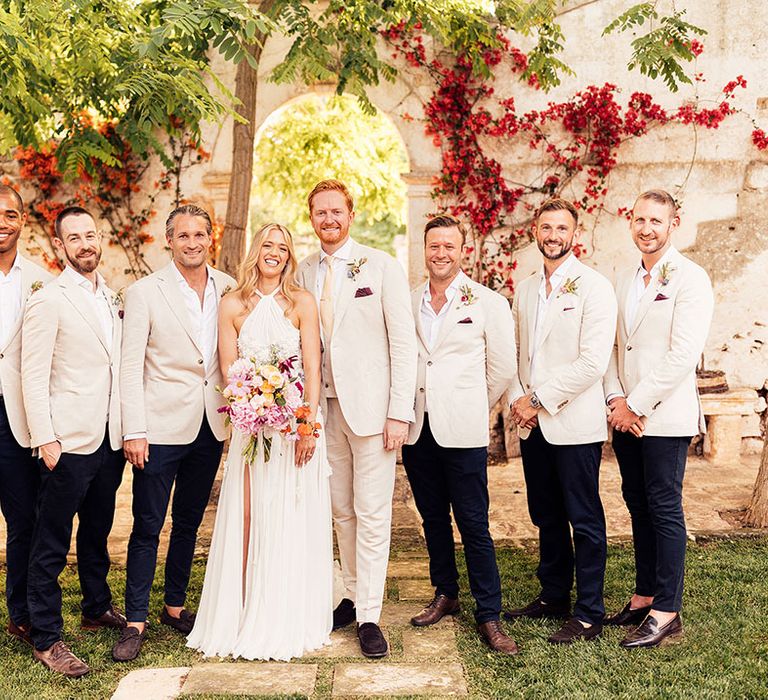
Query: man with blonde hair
{"points": [[368, 384]]}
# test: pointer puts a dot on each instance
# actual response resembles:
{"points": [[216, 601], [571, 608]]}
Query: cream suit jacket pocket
{"points": [[32, 277], [470, 367], [654, 361], [164, 384], [571, 358], [373, 346], [69, 377]]}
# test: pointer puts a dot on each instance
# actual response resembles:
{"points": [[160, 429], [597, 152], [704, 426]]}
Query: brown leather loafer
{"points": [[628, 616], [372, 642], [21, 632], [572, 631], [649, 634], [60, 659], [127, 648], [183, 623], [112, 618], [494, 636], [537, 608], [440, 606]]}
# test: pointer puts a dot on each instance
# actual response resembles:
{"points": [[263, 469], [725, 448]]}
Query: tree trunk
{"points": [[243, 134], [757, 511]]}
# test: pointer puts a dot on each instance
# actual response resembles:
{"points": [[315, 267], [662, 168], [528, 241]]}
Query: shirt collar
{"points": [[343, 253], [559, 273], [180, 278], [16, 265], [83, 281], [641, 271], [460, 279]]}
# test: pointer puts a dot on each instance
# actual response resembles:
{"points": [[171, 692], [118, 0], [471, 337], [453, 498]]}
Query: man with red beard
{"points": [[70, 356], [19, 477]]}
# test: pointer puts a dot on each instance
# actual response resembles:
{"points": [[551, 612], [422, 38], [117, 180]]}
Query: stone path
{"points": [[422, 662]]}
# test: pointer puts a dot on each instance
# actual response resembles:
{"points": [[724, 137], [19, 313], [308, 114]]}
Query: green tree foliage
{"points": [[318, 138], [142, 64]]}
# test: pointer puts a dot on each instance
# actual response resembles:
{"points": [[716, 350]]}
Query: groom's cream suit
{"points": [[33, 277], [369, 375], [69, 369], [160, 395], [571, 350]]}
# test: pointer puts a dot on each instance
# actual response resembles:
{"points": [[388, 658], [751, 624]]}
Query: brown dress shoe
{"points": [[59, 658], [572, 631], [495, 637], [539, 608], [372, 642], [183, 623], [628, 616], [20, 632], [649, 634], [440, 606], [112, 618], [127, 648]]}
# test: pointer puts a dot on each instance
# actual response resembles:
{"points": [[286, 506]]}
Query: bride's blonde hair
{"points": [[248, 274]]}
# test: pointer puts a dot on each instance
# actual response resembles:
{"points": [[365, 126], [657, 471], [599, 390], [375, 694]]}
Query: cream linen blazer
{"points": [[373, 347], [572, 356], [654, 362], [10, 354], [69, 378], [164, 386], [470, 367]]}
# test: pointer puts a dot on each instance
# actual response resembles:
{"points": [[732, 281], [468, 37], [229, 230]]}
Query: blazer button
{"points": [[200, 361], [1, 356], [205, 383], [326, 386], [629, 347], [429, 363], [421, 389]]}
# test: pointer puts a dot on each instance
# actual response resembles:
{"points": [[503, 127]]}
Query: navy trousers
{"points": [[445, 478], [19, 483], [86, 485], [562, 483], [193, 468], [652, 470]]}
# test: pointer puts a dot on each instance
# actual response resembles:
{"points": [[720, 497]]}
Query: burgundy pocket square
{"points": [[363, 292], [466, 320], [661, 297], [569, 308]]}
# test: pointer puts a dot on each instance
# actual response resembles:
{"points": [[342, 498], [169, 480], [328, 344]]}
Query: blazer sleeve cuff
{"points": [[401, 413]]}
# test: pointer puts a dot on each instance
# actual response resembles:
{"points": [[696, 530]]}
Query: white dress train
{"points": [[287, 609]]}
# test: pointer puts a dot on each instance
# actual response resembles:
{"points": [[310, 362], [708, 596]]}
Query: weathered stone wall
{"points": [[724, 192]]}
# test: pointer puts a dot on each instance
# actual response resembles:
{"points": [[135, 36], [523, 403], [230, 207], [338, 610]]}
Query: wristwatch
{"points": [[535, 403]]}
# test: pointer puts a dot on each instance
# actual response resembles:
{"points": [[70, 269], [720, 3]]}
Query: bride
{"points": [[269, 579]]}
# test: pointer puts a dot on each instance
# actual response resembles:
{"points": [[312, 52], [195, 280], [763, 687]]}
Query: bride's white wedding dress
{"points": [[286, 607]]}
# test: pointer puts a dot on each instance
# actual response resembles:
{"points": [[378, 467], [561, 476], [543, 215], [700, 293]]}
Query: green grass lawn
{"points": [[724, 653]]}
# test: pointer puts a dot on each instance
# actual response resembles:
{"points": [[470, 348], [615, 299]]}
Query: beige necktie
{"points": [[326, 300]]}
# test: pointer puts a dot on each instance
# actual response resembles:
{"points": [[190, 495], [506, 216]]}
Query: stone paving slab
{"points": [[251, 678], [408, 568], [385, 679], [437, 641], [152, 683], [419, 589], [344, 643]]}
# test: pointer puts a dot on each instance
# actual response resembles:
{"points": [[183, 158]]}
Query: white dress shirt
{"points": [[10, 303], [555, 281], [204, 318], [431, 321], [100, 301], [340, 259], [635, 295]]}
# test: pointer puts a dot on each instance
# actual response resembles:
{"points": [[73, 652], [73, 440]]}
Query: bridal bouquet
{"points": [[264, 393]]}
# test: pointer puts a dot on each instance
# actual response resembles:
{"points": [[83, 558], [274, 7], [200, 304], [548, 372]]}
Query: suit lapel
{"points": [[416, 299], [169, 288], [622, 290], [76, 296], [531, 304], [652, 290], [559, 300], [348, 288], [452, 316], [309, 274], [28, 278]]}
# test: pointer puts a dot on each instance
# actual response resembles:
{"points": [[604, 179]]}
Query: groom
{"points": [[369, 380], [173, 432], [70, 354]]}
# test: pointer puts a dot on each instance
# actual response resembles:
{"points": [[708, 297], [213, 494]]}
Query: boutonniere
{"points": [[36, 285], [665, 273], [354, 267], [226, 290], [467, 297], [570, 286], [118, 299]]}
